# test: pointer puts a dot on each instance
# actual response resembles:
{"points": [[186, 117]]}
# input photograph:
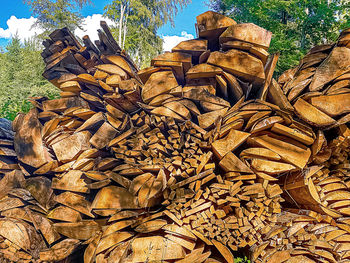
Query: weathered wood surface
{"points": [[199, 156]]}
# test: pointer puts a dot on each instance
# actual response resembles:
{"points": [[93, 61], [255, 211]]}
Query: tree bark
{"points": [[121, 21], [125, 29]]}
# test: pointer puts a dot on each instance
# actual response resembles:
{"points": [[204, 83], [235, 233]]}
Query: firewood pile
{"points": [[198, 158]]}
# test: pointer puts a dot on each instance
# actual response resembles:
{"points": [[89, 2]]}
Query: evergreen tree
{"points": [[21, 68]]}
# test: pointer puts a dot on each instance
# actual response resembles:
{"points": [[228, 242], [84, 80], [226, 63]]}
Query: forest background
{"points": [[296, 26]]}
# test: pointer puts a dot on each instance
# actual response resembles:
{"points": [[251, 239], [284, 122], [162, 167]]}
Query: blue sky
{"points": [[184, 21]]}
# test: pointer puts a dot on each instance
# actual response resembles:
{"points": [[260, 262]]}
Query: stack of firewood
{"points": [[199, 157]]}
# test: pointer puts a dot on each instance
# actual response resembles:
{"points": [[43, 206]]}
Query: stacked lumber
{"points": [[303, 236], [88, 76], [318, 90], [319, 86], [199, 80], [196, 158], [8, 156], [16, 236], [325, 185]]}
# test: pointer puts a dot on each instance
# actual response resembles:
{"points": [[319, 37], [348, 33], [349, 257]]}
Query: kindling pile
{"points": [[199, 157]]}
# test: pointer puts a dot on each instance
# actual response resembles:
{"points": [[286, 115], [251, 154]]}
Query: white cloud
{"points": [[24, 28], [4, 33], [171, 41]]}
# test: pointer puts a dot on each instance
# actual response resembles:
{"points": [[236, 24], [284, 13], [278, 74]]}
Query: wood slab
{"points": [[77, 142], [240, 64], [195, 47], [114, 197], [336, 64], [211, 24], [311, 114], [28, 142], [157, 84], [248, 32], [332, 105], [229, 143]]}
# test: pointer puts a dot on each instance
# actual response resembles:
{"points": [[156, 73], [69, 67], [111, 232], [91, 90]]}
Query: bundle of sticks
{"points": [[198, 158]]}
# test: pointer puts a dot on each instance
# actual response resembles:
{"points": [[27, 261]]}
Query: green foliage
{"points": [[53, 14], [20, 77], [21, 65], [241, 260], [297, 25], [137, 25], [143, 47]]}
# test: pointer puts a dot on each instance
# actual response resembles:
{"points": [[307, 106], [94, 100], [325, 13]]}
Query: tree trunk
{"points": [[125, 29], [121, 21]]}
